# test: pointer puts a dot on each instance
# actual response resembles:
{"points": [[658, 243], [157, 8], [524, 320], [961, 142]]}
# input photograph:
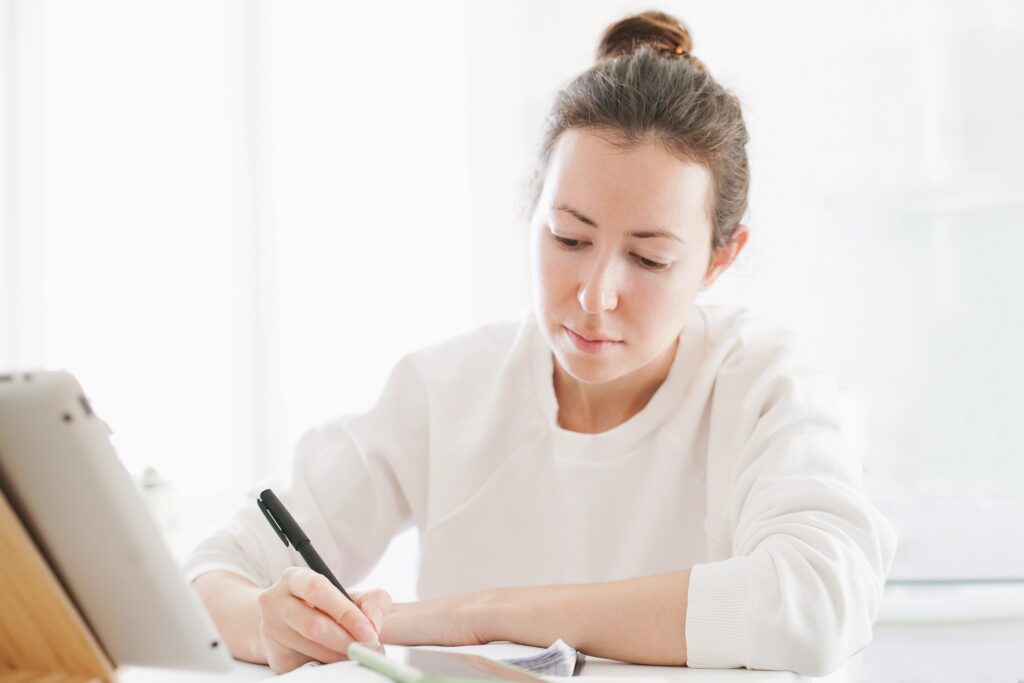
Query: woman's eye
{"points": [[565, 241], [652, 265], [647, 263]]}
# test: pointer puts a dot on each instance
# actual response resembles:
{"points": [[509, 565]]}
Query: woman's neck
{"points": [[596, 408]]}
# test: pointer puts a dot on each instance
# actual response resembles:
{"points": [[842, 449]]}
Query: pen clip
{"points": [[273, 522]]}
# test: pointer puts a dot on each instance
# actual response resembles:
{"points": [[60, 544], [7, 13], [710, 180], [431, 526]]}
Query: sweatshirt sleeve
{"points": [[354, 483], [809, 552]]}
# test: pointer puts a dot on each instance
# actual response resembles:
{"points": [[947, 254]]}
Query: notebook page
{"points": [[557, 660]]}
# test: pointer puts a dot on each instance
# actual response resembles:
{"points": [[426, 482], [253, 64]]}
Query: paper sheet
{"points": [[556, 661]]}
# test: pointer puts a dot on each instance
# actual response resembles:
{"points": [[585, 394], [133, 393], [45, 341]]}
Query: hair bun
{"points": [[660, 31]]}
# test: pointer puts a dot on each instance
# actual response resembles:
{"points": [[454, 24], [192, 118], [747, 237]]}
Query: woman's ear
{"points": [[724, 257]]}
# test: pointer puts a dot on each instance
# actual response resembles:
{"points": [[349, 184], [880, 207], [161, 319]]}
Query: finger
{"points": [[280, 659], [321, 593], [290, 649], [315, 626], [375, 604]]}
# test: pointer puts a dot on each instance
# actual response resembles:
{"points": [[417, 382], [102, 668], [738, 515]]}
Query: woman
{"points": [[648, 479]]}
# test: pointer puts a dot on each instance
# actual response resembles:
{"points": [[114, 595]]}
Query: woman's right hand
{"points": [[304, 618]]}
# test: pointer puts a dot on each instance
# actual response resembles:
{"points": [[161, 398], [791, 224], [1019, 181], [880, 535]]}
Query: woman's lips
{"points": [[590, 346]]}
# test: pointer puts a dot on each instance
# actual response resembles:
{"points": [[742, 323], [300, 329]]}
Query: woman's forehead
{"points": [[641, 183]]}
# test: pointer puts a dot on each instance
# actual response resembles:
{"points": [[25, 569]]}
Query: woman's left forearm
{"points": [[642, 620]]}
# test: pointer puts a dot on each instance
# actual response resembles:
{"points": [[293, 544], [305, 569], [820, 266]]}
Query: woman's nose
{"points": [[599, 293]]}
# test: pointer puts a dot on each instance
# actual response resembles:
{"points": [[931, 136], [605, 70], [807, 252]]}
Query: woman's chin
{"points": [[589, 370]]}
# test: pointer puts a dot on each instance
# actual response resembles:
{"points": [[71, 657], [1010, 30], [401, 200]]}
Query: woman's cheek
{"points": [[557, 268], [655, 294]]}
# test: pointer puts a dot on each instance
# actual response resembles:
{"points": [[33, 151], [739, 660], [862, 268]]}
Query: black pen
{"points": [[288, 530]]}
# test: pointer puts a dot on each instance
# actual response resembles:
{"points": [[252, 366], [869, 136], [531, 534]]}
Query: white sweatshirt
{"points": [[736, 467]]}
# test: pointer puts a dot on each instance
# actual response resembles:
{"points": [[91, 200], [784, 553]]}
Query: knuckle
{"points": [[265, 599], [383, 598], [312, 587]]}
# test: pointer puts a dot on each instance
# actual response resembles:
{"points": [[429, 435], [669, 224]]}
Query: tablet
{"points": [[412, 665], [62, 477]]}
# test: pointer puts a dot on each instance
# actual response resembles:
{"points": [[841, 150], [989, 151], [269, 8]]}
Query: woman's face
{"points": [[620, 243]]}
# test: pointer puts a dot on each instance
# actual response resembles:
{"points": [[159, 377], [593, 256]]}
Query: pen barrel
{"points": [[313, 559]]}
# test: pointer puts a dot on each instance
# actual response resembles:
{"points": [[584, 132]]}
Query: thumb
{"points": [[374, 604]]}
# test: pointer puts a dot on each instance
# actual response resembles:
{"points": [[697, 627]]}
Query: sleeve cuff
{"points": [[718, 613]]}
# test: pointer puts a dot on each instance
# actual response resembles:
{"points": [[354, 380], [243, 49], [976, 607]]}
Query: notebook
{"points": [[559, 659]]}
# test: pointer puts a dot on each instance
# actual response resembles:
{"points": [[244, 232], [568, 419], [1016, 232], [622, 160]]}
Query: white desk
{"points": [[595, 668]]}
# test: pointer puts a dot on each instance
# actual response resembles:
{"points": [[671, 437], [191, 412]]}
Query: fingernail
{"points": [[365, 634]]}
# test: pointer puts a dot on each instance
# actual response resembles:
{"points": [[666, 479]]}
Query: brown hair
{"points": [[647, 87]]}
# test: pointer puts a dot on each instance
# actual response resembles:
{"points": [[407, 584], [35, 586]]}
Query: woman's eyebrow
{"points": [[642, 234]]}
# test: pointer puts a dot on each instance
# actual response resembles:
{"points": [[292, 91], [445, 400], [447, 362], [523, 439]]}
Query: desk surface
{"points": [[595, 668]]}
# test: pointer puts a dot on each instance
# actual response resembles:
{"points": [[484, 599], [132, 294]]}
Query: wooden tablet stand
{"points": [[43, 638]]}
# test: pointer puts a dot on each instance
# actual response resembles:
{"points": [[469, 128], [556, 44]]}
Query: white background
{"points": [[229, 219]]}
